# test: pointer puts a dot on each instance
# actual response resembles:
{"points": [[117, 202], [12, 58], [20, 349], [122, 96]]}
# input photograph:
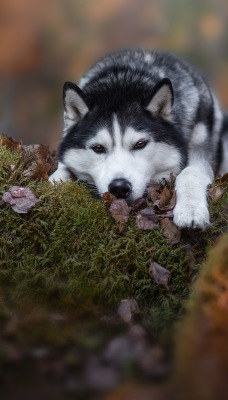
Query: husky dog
{"points": [[135, 117]]}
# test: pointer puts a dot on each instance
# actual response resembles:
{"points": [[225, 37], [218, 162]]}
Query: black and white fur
{"points": [[135, 117]]}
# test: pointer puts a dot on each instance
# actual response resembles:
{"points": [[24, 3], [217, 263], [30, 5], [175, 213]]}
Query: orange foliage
{"points": [[202, 351]]}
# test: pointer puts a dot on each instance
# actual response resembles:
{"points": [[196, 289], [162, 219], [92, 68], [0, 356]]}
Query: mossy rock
{"points": [[67, 252]]}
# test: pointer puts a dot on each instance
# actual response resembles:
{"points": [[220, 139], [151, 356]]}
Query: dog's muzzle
{"points": [[120, 188]]}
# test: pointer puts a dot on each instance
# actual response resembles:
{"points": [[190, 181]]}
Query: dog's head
{"points": [[120, 144]]}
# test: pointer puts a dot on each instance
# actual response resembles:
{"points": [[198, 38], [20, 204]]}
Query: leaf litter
{"points": [[120, 212], [155, 212], [160, 274], [37, 160], [170, 231], [21, 199], [146, 219]]}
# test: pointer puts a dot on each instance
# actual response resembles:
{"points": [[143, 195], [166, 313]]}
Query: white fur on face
{"points": [[139, 167]]}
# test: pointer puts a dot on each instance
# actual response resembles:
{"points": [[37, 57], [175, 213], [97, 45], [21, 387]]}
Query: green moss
{"points": [[67, 252]]}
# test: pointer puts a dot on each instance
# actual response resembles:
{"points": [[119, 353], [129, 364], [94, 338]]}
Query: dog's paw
{"points": [[60, 175], [189, 216]]}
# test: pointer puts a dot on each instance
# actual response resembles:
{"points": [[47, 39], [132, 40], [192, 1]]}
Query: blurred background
{"points": [[45, 43]]}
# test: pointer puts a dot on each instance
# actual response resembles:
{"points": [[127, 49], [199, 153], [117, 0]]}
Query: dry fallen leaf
{"points": [[171, 232], [127, 308], [10, 143], [224, 178], [166, 214], [146, 219], [43, 161], [153, 191], [38, 170], [167, 200], [171, 182], [164, 198], [37, 160], [108, 198], [138, 204], [160, 274], [215, 193], [21, 199], [120, 212]]}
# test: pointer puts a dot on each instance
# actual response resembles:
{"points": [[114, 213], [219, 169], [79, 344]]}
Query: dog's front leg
{"points": [[191, 210], [62, 174]]}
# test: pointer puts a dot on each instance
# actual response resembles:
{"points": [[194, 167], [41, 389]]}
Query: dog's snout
{"points": [[120, 188]]}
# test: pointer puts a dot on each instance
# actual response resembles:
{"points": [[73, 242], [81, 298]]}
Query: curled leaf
{"points": [[10, 143], [21, 199], [164, 198], [108, 198], [138, 204], [127, 308], [120, 212], [166, 201], [215, 193], [224, 178], [172, 179], [38, 170], [146, 219], [42, 161], [153, 191], [171, 232], [166, 214], [160, 274]]}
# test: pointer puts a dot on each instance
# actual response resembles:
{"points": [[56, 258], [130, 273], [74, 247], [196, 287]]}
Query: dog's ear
{"points": [[74, 104], [162, 99]]}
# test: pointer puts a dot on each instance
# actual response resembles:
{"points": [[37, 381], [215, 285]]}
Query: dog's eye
{"points": [[98, 148], [140, 144]]}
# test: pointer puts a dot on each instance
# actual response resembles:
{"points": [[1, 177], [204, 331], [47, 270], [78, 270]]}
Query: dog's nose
{"points": [[121, 188]]}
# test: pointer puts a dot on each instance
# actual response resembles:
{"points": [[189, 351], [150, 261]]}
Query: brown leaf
{"points": [[224, 178], [120, 212], [146, 219], [38, 170], [10, 143], [21, 199], [127, 308], [138, 204], [39, 149], [166, 214], [43, 161], [160, 274], [215, 193], [171, 232], [164, 198], [153, 191], [167, 200], [108, 198], [171, 181], [172, 202]]}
